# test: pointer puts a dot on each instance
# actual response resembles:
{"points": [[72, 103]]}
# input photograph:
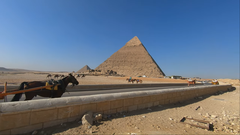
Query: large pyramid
{"points": [[84, 69], [132, 60]]}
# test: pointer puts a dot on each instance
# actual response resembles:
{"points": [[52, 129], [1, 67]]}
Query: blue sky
{"points": [[185, 37]]}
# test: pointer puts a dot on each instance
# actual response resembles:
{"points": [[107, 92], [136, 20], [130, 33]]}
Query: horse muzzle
{"points": [[75, 83]]}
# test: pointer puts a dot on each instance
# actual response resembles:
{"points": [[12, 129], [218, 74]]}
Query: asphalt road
{"points": [[102, 91]]}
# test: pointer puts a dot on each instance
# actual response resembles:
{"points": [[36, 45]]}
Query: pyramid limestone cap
{"points": [[134, 42]]}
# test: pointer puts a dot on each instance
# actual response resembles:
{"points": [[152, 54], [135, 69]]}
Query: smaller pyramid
{"points": [[84, 69]]}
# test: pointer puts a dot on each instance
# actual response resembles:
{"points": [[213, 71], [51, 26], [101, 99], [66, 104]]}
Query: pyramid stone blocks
{"points": [[132, 60], [84, 69]]}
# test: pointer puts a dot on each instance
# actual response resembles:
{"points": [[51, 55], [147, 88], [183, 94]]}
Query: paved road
{"points": [[106, 91]]}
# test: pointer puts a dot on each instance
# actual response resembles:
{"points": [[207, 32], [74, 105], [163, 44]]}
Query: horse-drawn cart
{"points": [[215, 83], [49, 88], [3, 95], [191, 82]]}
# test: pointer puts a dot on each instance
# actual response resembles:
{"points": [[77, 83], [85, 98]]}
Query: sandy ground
{"points": [[17, 78], [221, 109]]}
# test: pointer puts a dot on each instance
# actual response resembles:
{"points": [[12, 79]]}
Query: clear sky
{"points": [[191, 38]]}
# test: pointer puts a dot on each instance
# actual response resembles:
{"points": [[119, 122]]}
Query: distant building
{"points": [[176, 77]]}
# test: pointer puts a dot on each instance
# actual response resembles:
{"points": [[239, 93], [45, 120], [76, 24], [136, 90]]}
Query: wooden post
{"points": [[5, 91]]}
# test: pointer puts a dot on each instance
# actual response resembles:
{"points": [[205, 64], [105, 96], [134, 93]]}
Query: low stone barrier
{"points": [[26, 116], [111, 86]]}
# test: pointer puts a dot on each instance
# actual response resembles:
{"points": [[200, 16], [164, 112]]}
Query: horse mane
{"points": [[65, 78]]}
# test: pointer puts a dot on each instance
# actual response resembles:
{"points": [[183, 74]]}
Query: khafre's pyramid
{"points": [[84, 69], [132, 60]]}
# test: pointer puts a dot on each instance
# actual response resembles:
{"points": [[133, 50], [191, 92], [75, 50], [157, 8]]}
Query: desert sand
{"points": [[15, 78]]}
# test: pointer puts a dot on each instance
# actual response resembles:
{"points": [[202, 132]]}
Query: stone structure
{"points": [[110, 72], [132, 60], [26, 116], [84, 69]]}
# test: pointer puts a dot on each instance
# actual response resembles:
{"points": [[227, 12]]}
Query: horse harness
{"points": [[52, 82], [57, 85]]}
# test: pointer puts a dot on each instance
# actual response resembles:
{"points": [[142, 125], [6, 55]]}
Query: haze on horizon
{"points": [[197, 38]]}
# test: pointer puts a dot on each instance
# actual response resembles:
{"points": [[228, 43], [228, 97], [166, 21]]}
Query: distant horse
{"points": [[49, 76], [77, 75], [138, 80], [61, 76], [130, 80], [81, 76], [56, 76], [63, 83], [192, 82]]}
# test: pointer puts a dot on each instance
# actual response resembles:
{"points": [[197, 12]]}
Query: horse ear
{"points": [[70, 74]]}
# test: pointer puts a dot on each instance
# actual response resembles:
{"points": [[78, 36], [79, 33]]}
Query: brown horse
{"points": [[49, 76], [61, 76], [138, 80], [130, 80], [192, 82], [81, 76], [44, 92], [56, 76], [77, 75]]}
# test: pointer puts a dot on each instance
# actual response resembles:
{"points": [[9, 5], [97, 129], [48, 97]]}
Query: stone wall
{"points": [[111, 86], [26, 116]]}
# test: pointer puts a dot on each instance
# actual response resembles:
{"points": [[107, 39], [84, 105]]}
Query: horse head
{"points": [[72, 79]]}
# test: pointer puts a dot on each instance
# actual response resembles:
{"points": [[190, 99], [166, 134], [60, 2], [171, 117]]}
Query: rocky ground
{"points": [[221, 109]]}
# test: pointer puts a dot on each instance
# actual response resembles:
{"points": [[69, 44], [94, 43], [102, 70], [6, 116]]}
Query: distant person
{"points": [[130, 78]]}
